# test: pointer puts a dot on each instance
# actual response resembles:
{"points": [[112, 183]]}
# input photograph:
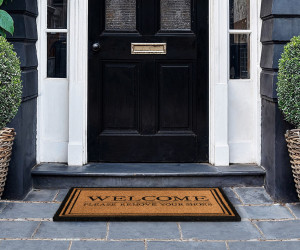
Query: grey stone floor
{"points": [[265, 225]]}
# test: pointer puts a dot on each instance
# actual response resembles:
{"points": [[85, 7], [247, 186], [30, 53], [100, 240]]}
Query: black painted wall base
{"points": [[281, 21], [275, 157], [19, 182]]}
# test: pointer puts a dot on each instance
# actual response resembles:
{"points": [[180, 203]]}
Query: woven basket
{"points": [[293, 143], [7, 136]]}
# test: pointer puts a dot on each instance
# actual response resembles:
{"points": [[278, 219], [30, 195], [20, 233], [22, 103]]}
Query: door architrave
{"points": [[218, 83], [78, 83]]}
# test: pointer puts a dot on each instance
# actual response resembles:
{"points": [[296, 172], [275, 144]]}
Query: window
{"points": [[240, 33], [120, 15], [175, 15], [57, 30]]}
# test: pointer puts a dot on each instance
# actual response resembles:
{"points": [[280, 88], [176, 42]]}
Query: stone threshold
{"points": [[146, 169], [53, 175]]}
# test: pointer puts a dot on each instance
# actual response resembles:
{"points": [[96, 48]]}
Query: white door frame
{"points": [[219, 148], [218, 86]]}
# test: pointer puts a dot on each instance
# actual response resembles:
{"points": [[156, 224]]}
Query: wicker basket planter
{"points": [[7, 136], [293, 143]]}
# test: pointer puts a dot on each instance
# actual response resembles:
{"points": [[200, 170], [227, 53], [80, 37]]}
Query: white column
{"points": [[77, 147], [219, 50]]}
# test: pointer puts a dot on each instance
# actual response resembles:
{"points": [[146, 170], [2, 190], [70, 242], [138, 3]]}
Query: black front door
{"points": [[148, 81]]}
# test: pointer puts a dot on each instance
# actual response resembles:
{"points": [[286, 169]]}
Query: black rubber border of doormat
{"points": [[234, 218]]}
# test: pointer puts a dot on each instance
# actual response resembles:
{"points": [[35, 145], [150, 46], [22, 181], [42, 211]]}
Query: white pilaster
{"points": [[219, 149], [78, 56]]}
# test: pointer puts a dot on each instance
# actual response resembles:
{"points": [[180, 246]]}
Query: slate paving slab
{"points": [[253, 195], [280, 229], [274, 245], [33, 245], [110, 245], [61, 195], [74, 230], [17, 229], [41, 195], [264, 212], [29, 210], [220, 230], [186, 245], [143, 230], [295, 209], [231, 196], [2, 206]]}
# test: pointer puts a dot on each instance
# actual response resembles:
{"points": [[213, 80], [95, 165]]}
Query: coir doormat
{"points": [[155, 204]]}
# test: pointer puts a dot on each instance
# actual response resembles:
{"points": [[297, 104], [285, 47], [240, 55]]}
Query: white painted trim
{"points": [[78, 68], [39, 68], [244, 100], [258, 25], [240, 31], [218, 96], [52, 98], [57, 30]]}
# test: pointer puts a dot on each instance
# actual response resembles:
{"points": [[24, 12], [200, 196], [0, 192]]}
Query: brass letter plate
{"points": [[148, 48]]}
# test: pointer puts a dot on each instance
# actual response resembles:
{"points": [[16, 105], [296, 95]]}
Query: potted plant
{"points": [[10, 93], [288, 89]]}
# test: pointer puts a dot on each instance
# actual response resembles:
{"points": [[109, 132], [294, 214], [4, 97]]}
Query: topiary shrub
{"points": [[10, 83], [288, 86]]}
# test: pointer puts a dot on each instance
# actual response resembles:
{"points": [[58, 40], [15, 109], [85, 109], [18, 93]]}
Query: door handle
{"points": [[96, 47]]}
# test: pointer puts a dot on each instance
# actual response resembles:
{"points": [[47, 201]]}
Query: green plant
{"points": [[10, 83], [6, 22], [288, 86]]}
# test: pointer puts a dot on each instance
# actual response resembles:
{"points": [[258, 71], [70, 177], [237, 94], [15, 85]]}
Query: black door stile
{"points": [[148, 108]]}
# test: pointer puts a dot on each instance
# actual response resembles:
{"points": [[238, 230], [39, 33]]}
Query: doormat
{"points": [[146, 204]]}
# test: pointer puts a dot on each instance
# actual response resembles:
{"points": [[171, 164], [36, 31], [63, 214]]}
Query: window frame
{"points": [[50, 30], [242, 32], [52, 129]]}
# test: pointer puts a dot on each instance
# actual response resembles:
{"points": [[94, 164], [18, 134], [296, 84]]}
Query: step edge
{"points": [[256, 172], [149, 175]]}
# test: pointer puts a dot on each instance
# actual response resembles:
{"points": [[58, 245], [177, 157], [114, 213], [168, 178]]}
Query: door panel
{"points": [[175, 100], [148, 107], [166, 148], [120, 96]]}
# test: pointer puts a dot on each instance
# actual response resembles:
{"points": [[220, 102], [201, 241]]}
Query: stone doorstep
{"points": [[60, 176]]}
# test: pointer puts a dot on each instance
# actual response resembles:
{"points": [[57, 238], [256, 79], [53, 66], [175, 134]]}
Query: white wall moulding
{"points": [[257, 68], [219, 149], [77, 150], [234, 105]]}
